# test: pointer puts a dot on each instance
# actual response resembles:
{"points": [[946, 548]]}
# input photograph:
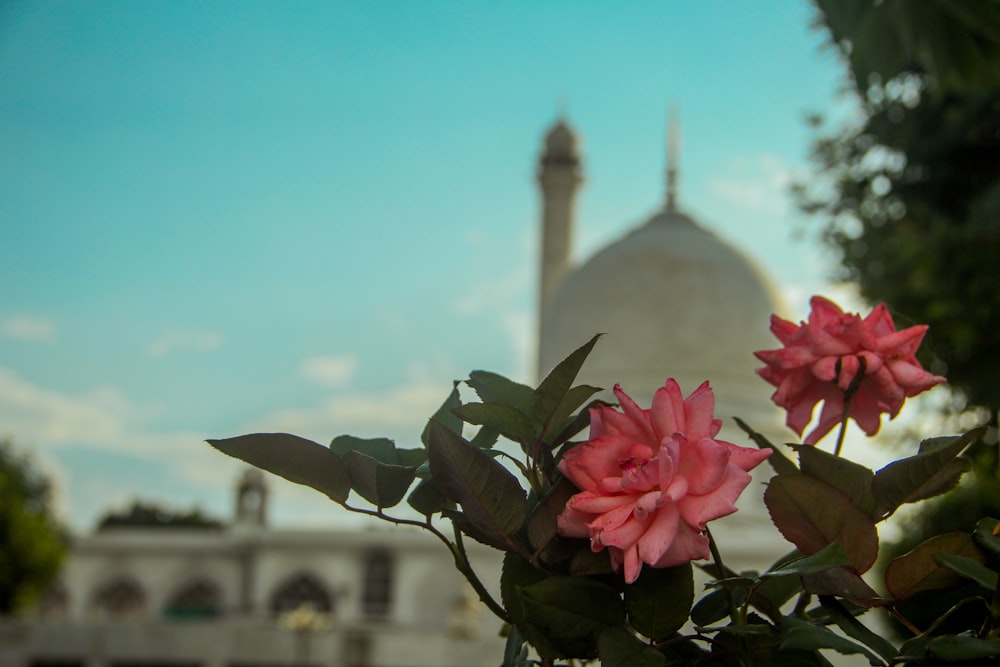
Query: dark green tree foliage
{"points": [[910, 198], [142, 514], [32, 543], [914, 209]]}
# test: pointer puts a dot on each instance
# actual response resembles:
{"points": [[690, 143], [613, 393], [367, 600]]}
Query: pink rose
{"points": [[833, 351], [651, 479]]}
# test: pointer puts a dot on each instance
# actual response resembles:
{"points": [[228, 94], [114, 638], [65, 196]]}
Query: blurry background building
{"points": [[249, 594]]}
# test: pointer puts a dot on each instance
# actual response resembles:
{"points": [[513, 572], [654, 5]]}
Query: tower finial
{"points": [[673, 155]]}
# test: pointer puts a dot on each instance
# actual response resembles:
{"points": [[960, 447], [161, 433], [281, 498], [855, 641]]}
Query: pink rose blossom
{"points": [[651, 479], [823, 357]]}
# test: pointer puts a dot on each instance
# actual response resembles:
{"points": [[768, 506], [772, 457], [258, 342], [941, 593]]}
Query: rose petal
{"points": [[660, 534]]}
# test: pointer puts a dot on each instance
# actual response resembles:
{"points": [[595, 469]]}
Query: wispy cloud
{"points": [[28, 328], [758, 183], [397, 412], [331, 372], [181, 340]]}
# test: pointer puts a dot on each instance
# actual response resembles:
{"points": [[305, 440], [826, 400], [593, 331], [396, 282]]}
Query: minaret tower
{"points": [[673, 155], [559, 177]]}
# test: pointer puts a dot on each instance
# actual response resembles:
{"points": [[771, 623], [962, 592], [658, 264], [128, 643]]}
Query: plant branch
{"points": [[462, 563], [734, 614], [457, 551]]}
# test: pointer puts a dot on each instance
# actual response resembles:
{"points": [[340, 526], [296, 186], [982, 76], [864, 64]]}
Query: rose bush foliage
{"points": [[600, 533]]}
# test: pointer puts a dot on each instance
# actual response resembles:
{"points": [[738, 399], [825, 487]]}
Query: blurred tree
{"points": [[151, 515], [910, 195], [32, 543]]}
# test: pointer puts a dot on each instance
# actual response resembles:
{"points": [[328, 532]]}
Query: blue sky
{"points": [[225, 217]]}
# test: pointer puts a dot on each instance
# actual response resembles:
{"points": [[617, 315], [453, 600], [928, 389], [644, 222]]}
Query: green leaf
{"points": [[542, 523], [617, 647], [380, 449], [969, 568], [958, 648], [845, 583], [659, 601], [411, 458], [507, 420], [855, 629], [548, 399], [897, 482], [515, 575], [445, 416], [572, 611], [803, 635], [771, 593], [587, 562], [296, 459], [491, 498], [379, 483], [428, 499], [944, 481], [493, 388], [577, 424], [485, 438], [575, 397], [918, 570], [711, 608], [848, 477], [782, 464], [812, 514], [832, 555], [986, 534], [515, 652]]}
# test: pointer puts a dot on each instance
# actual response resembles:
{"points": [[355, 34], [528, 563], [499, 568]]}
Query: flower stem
{"points": [[848, 397], [465, 567], [843, 427], [457, 550], [734, 613]]}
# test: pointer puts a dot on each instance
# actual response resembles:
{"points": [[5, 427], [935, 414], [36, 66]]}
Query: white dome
{"points": [[674, 301]]}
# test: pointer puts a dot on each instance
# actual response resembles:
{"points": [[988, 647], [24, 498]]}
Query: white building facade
{"points": [[250, 596]]}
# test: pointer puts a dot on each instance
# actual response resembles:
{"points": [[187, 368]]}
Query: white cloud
{"points": [[398, 412], [758, 183], [35, 415], [180, 340], [28, 328], [49, 423], [331, 372]]}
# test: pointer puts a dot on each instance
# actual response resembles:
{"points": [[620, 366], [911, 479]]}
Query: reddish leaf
{"points": [[491, 498], [917, 570], [812, 514]]}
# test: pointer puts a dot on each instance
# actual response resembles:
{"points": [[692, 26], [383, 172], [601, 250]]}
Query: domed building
{"points": [[673, 300]]}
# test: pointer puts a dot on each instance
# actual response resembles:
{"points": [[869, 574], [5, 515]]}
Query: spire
{"points": [[673, 155]]}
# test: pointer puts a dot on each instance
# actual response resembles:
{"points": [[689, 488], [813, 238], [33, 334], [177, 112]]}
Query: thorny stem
{"points": [[457, 550]]}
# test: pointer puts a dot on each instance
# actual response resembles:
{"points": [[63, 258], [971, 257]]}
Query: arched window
{"points": [[119, 598], [301, 590], [376, 600], [196, 599], [54, 601]]}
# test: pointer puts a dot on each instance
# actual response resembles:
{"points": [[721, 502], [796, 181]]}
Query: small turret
{"points": [[251, 500]]}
